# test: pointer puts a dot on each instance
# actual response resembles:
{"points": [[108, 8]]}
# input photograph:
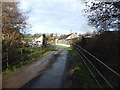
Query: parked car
{"points": [[37, 43]]}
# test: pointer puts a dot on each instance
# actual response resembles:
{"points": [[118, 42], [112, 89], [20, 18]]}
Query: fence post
{"points": [[7, 61]]}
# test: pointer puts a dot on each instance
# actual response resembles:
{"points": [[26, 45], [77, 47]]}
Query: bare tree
{"points": [[104, 15], [13, 23]]}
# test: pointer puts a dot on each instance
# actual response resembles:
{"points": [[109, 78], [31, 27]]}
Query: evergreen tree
{"points": [[44, 44]]}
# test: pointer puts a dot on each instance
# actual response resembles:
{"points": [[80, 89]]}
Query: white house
{"points": [[38, 41], [67, 40]]}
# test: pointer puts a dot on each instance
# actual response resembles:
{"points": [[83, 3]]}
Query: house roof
{"points": [[39, 39], [66, 36]]}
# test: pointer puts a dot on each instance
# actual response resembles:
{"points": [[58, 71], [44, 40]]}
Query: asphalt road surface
{"points": [[53, 76]]}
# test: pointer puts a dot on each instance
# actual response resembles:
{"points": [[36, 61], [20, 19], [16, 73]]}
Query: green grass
{"points": [[64, 47], [81, 75], [33, 54], [28, 38]]}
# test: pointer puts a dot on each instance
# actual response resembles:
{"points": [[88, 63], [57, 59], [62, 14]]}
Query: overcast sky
{"points": [[56, 16]]}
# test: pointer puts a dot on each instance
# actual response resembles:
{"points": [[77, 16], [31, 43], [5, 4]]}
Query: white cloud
{"points": [[24, 5], [56, 17], [52, 1]]}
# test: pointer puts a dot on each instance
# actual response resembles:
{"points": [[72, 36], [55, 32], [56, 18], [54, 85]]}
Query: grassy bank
{"points": [[64, 47], [28, 55], [78, 74]]}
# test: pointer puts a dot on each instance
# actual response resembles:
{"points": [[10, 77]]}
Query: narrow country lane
{"points": [[27, 72], [52, 77]]}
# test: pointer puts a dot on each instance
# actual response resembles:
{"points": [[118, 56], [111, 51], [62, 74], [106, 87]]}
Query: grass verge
{"points": [[64, 47], [78, 74], [30, 54]]}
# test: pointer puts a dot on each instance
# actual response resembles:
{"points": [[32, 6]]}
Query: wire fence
{"points": [[22, 56], [14, 58], [104, 76]]}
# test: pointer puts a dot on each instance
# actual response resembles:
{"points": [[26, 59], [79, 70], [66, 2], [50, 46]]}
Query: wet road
{"points": [[27, 72], [53, 76]]}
